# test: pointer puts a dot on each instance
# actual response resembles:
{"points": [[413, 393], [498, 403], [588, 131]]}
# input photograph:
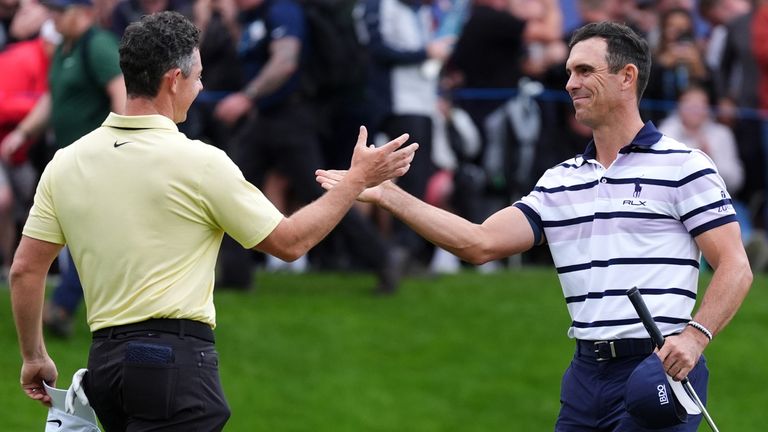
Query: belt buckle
{"points": [[605, 350]]}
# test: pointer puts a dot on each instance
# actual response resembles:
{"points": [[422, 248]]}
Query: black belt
{"points": [[181, 327], [610, 349]]}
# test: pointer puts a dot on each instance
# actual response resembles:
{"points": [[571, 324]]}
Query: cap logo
{"points": [[663, 399]]}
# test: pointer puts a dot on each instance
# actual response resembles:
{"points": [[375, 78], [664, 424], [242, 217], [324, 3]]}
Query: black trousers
{"points": [[147, 380]]}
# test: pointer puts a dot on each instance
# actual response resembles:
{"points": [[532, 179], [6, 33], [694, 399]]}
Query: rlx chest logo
{"points": [[634, 203]]}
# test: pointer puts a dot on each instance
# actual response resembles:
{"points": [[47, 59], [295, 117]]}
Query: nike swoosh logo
{"points": [[117, 144], [55, 421]]}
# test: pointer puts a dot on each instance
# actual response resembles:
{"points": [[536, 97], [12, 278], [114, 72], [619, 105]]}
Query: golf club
{"points": [[658, 339]]}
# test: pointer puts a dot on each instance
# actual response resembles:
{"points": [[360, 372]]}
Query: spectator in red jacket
{"points": [[24, 78], [23, 81]]}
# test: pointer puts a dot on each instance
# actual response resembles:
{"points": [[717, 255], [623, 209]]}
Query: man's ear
{"points": [[629, 74], [173, 76]]}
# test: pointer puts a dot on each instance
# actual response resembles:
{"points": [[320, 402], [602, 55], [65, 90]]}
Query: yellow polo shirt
{"points": [[143, 210]]}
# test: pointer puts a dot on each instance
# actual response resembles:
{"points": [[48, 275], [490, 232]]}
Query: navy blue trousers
{"points": [[592, 396]]}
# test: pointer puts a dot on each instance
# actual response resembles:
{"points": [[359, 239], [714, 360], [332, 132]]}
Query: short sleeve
{"points": [[702, 203], [42, 223], [234, 205], [103, 57], [286, 19], [530, 205]]}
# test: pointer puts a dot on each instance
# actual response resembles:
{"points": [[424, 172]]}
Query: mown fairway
{"points": [[471, 352]]}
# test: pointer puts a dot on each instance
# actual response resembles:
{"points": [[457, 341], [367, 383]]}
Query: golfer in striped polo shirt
{"points": [[635, 209]]}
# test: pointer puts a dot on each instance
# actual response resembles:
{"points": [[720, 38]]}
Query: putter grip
{"points": [[645, 316]]}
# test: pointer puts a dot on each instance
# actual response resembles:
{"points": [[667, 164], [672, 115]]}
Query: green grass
{"points": [[461, 353]]}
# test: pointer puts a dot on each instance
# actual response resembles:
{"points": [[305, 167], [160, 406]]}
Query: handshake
{"points": [[371, 166]]}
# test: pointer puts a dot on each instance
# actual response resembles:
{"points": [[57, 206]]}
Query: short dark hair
{"points": [[154, 45], [624, 47]]}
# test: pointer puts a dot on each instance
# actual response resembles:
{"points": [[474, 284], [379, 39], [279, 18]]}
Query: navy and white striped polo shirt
{"points": [[632, 224]]}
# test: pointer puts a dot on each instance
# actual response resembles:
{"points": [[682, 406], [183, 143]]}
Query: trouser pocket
{"points": [[149, 381]]}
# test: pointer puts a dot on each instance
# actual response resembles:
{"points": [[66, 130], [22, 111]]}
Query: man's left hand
{"points": [[681, 352], [33, 374]]}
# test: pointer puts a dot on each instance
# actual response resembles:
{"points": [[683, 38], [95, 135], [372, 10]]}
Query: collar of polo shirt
{"points": [[646, 137], [155, 121]]}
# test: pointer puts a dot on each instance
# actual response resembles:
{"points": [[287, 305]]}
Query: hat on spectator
{"points": [[654, 399], [63, 4]]}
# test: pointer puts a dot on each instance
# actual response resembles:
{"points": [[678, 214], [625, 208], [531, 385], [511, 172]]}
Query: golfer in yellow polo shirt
{"points": [[143, 210]]}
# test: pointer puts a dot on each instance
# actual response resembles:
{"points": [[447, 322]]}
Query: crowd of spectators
{"points": [[478, 83]]}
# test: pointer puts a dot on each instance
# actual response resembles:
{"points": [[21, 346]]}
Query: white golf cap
{"points": [[60, 421], [77, 417]]}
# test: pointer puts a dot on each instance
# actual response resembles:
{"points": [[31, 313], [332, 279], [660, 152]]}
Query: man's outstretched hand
{"points": [[375, 165], [329, 178]]}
